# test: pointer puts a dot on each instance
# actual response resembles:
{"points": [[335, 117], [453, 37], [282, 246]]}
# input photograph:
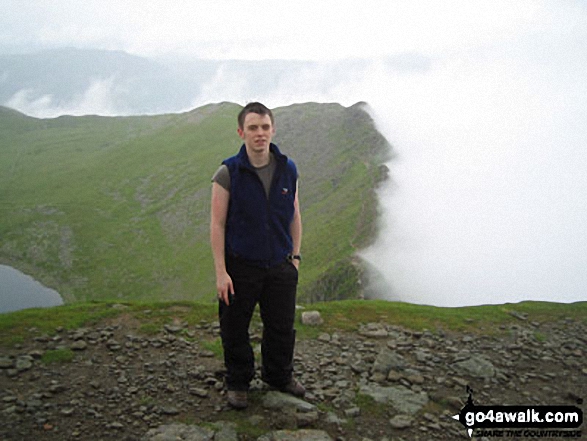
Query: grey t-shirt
{"points": [[265, 173]]}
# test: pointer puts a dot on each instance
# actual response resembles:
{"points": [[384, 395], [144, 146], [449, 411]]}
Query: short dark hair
{"points": [[255, 107]]}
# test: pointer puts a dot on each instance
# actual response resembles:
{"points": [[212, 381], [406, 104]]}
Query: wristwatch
{"points": [[297, 257]]}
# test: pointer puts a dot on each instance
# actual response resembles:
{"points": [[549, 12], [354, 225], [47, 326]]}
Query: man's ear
{"points": [[241, 133]]}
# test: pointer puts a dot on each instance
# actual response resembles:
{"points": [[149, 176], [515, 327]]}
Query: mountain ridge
{"points": [[118, 207]]}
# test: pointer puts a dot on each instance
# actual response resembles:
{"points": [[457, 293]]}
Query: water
{"points": [[19, 291]]}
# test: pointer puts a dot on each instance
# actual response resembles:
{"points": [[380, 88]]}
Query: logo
{"points": [[516, 421]]}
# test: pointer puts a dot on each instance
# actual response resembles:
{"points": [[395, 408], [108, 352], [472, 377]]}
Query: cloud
{"points": [[99, 98], [485, 204], [303, 30]]}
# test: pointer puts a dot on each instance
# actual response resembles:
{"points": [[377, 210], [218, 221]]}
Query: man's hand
{"points": [[224, 287]]}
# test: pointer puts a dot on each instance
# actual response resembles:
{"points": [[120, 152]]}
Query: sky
{"points": [[484, 102], [283, 30]]}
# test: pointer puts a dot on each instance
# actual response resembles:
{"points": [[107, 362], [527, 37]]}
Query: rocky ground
{"points": [[382, 382]]}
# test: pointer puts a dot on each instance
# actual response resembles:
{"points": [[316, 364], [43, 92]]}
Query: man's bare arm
{"points": [[219, 211]]}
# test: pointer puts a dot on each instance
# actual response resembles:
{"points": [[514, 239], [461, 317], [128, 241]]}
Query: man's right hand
{"points": [[224, 287]]}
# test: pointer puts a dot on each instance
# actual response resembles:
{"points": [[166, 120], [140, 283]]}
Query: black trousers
{"points": [[274, 289]]}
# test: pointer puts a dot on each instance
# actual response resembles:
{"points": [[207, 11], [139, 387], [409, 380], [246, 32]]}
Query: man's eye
{"points": [[266, 127]]}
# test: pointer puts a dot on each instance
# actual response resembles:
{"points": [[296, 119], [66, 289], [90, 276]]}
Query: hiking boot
{"points": [[295, 388], [237, 399]]}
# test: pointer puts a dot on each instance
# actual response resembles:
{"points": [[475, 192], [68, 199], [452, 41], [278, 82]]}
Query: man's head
{"points": [[257, 108], [255, 127]]}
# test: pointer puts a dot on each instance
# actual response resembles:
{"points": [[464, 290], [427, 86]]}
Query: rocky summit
{"points": [[109, 381]]}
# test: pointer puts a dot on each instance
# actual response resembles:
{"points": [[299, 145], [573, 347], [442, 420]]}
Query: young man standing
{"points": [[256, 233]]}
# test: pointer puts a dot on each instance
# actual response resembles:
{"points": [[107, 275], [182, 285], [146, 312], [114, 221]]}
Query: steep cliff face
{"points": [[118, 208]]}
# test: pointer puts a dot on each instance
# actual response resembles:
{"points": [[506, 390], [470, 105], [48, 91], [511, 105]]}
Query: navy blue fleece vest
{"points": [[257, 227]]}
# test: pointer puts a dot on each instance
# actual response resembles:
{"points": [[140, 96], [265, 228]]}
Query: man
{"points": [[256, 233]]}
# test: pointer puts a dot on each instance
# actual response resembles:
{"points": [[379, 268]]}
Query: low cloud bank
{"points": [[100, 98]]}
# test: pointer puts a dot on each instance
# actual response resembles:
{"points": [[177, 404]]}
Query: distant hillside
{"points": [[112, 81], [82, 81], [118, 208]]}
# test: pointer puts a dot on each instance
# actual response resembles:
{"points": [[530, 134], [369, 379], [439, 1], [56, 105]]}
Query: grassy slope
{"points": [[118, 208]]}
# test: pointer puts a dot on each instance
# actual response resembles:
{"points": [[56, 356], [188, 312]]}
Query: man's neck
{"points": [[259, 159]]}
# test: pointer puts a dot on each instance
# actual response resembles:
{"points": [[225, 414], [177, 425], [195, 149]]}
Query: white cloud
{"points": [[100, 98], [485, 206]]}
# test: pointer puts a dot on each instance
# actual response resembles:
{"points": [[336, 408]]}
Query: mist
{"points": [[486, 202], [99, 99]]}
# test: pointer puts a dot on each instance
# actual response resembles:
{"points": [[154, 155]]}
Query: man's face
{"points": [[257, 132]]}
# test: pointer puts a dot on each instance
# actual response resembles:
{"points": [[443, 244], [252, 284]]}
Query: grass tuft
{"points": [[58, 356]]}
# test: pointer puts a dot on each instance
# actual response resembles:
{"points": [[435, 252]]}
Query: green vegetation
{"points": [[214, 346], [58, 356], [486, 319], [370, 407], [117, 209], [347, 315]]}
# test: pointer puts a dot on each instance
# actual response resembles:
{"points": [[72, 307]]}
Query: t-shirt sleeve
{"points": [[222, 177]]}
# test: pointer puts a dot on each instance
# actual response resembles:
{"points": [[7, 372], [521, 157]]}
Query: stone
{"points": [[169, 410], [296, 435], [401, 422], [304, 419], [401, 398], [415, 379], [225, 431], [113, 345], [373, 330], [199, 392], [79, 345], [37, 354], [279, 400], [476, 366], [519, 315], [332, 418], [387, 360], [172, 329], [312, 318], [394, 376], [353, 412], [324, 337], [23, 364], [6, 362], [174, 432]]}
